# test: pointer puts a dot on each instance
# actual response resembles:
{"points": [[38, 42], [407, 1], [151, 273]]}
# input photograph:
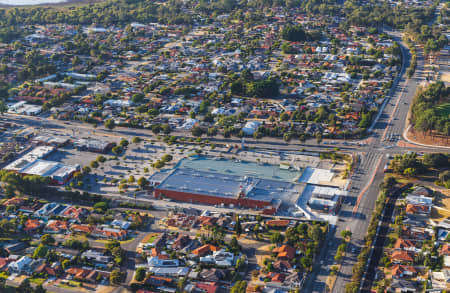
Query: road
{"points": [[387, 133], [380, 240]]}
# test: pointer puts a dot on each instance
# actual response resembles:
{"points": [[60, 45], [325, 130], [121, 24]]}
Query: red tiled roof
{"points": [[110, 234], [278, 278], [278, 223], [445, 250], [398, 270], [31, 225], [83, 228], [402, 256], [4, 261], [57, 225], [207, 287], [403, 243], [415, 208], [285, 251], [78, 273], [15, 201], [202, 250]]}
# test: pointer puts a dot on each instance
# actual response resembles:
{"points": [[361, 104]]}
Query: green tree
{"points": [[3, 107], [142, 182], [47, 239], [318, 137], [110, 124], [101, 159], [346, 233], [123, 142], [140, 274], [284, 116], [117, 150], [235, 244], [196, 131], [306, 262], [167, 158], [94, 164], [276, 238], [293, 33], [40, 251], [315, 232], [237, 226], [389, 182], [137, 98], [410, 172], [116, 277], [239, 287], [39, 289], [102, 206]]}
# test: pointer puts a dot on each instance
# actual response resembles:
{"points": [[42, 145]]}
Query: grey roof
{"points": [[229, 186], [199, 182], [158, 176], [239, 168]]}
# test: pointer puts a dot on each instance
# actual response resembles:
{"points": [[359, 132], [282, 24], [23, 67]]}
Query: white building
{"points": [[250, 127], [22, 265]]}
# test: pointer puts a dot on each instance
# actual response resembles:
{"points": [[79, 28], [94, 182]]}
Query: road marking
{"points": [[367, 186]]}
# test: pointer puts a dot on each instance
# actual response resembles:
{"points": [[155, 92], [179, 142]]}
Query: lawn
{"points": [[151, 239], [108, 240], [37, 281], [3, 275]]}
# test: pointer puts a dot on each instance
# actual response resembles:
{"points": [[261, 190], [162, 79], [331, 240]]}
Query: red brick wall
{"points": [[211, 200]]}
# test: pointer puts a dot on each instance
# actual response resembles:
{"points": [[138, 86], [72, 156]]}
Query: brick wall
{"points": [[211, 200]]}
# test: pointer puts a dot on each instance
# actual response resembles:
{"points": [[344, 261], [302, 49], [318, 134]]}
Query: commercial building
{"points": [[282, 189], [231, 183], [24, 109], [322, 199], [33, 155], [92, 145], [214, 188], [50, 140], [33, 164]]}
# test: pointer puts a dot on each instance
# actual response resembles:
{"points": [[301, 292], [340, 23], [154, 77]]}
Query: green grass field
{"points": [[443, 110], [37, 281]]}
